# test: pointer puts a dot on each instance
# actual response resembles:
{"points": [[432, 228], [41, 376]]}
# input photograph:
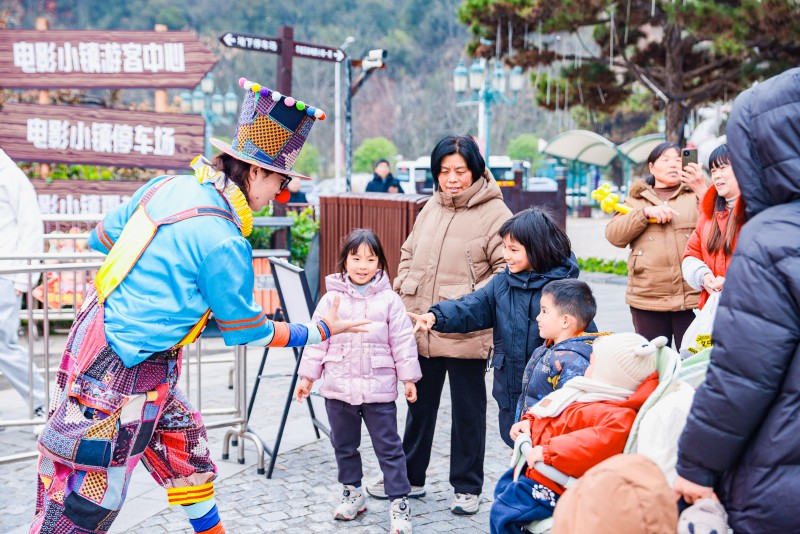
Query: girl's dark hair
{"points": [[719, 158], [351, 244], [463, 145], [546, 244], [656, 153], [235, 170]]}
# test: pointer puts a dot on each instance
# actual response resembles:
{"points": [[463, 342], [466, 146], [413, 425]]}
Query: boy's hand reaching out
{"points": [[411, 392], [523, 427], [535, 455], [424, 321], [303, 389]]}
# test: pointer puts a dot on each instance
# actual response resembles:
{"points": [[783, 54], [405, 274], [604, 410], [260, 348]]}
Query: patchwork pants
{"points": [[104, 418]]}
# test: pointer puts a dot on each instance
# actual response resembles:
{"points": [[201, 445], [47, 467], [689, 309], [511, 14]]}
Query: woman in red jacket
{"points": [[711, 246]]}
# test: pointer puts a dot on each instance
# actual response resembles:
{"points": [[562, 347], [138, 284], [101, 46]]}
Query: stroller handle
{"points": [[522, 446]]}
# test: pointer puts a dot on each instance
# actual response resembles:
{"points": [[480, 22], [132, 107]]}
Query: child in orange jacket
{"points": [[577, 427]]}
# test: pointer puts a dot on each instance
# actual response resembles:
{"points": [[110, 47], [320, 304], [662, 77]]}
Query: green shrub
{"points": [[598, 265], [304, 229]]}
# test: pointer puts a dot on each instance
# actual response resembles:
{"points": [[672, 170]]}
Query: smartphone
{"points": [[688, 155]]}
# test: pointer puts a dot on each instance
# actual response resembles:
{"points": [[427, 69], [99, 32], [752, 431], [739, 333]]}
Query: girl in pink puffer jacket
{"points": [[361, 373]]}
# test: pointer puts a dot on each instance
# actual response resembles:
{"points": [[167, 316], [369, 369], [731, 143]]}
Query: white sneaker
{"points": [[465, 504], [400, 517], [353, 503], [377, 491]]}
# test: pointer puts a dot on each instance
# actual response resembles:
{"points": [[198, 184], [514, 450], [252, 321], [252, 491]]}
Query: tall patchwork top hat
{"points": [[272, 129]]}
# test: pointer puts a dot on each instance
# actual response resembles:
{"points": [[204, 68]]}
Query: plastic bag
{"points": [[698, 336]]}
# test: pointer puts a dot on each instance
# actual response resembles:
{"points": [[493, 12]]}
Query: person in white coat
{"points": [[21, 232]]}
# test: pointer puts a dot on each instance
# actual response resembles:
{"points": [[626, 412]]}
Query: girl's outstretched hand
{"points": [[338, 326], [411, 392], [424, 321], [303, 389]]}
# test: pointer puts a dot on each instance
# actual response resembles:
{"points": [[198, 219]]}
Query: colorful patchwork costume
{"points": [[176, 253]]}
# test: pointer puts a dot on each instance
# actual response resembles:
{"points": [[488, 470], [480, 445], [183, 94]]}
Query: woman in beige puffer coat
{"points": [[661, 301], [454, 248]]}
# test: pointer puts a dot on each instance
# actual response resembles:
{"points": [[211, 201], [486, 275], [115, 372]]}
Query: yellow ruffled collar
{"points": [[205, 173]]}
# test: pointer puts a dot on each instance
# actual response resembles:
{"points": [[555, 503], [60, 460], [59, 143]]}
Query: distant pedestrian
{"points": [[361, 373], [296, 196], [382, 179], [21, 232]]}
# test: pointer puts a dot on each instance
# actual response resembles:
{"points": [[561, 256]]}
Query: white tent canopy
{"points": [[638, 148], [582, 146]]}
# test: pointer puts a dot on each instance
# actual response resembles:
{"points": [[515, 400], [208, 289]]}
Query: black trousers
{"points": [[651, 324], [468, 422]]}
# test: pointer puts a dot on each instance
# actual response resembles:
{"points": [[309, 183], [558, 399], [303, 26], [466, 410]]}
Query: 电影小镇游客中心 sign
{"points": [[119, 138], [81, 59]]}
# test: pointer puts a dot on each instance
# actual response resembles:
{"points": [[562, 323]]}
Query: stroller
{"points": [[670, 371]]}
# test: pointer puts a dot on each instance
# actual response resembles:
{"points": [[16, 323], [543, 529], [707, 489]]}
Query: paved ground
{"points": [[303, 491]]}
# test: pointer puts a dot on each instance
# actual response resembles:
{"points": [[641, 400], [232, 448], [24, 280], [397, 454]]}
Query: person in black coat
{"points": [[742, 438], [382, 179], [537, 251]]}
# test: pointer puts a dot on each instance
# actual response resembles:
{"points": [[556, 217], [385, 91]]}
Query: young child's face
{"points": [[515, 255], [362, 266], [550, 319]]}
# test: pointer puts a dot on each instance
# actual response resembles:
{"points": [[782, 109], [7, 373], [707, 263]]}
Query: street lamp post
{"points": [[211, 105], [337, 117], [485, 90]]}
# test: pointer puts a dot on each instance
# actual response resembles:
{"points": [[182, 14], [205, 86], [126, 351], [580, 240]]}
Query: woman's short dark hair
{"points": [[719, 157], [656, 153], [545, 242], [235, 170], [462, 145], [351, 244]]}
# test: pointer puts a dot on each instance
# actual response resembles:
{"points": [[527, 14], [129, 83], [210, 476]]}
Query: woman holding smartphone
{"points": [[663, 216]]}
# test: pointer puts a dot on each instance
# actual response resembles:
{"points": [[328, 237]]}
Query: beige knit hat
{"points": [[623, 360]]}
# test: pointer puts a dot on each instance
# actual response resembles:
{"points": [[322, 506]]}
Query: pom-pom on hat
{"points": [[272, 129], [623, 360]]}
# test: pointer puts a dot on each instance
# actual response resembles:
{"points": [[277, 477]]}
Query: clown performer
{"points": [[176, 253]]}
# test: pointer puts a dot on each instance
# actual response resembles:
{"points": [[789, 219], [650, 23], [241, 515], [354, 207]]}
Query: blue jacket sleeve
{"points": [[107, 231], [467, 314], [747, 370]]}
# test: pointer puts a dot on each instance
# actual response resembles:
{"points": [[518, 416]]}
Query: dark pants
{"points": [[381, 421], [518, 503], [506, 419], [468, 424], [651, 324]]}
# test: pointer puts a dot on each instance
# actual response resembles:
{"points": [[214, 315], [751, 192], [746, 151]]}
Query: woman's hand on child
{"points": [[692, 492], [424, 321], [339, 326], [303, 389], [535, 455], [411, 392], [522, 427]]}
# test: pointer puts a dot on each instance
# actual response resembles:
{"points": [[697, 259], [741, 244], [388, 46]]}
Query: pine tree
{"points": [[685, 52]]}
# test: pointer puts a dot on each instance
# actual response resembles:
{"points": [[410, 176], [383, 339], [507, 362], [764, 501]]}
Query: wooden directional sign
{"points": [[77, 59], [274, 45], [96, 136]]}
